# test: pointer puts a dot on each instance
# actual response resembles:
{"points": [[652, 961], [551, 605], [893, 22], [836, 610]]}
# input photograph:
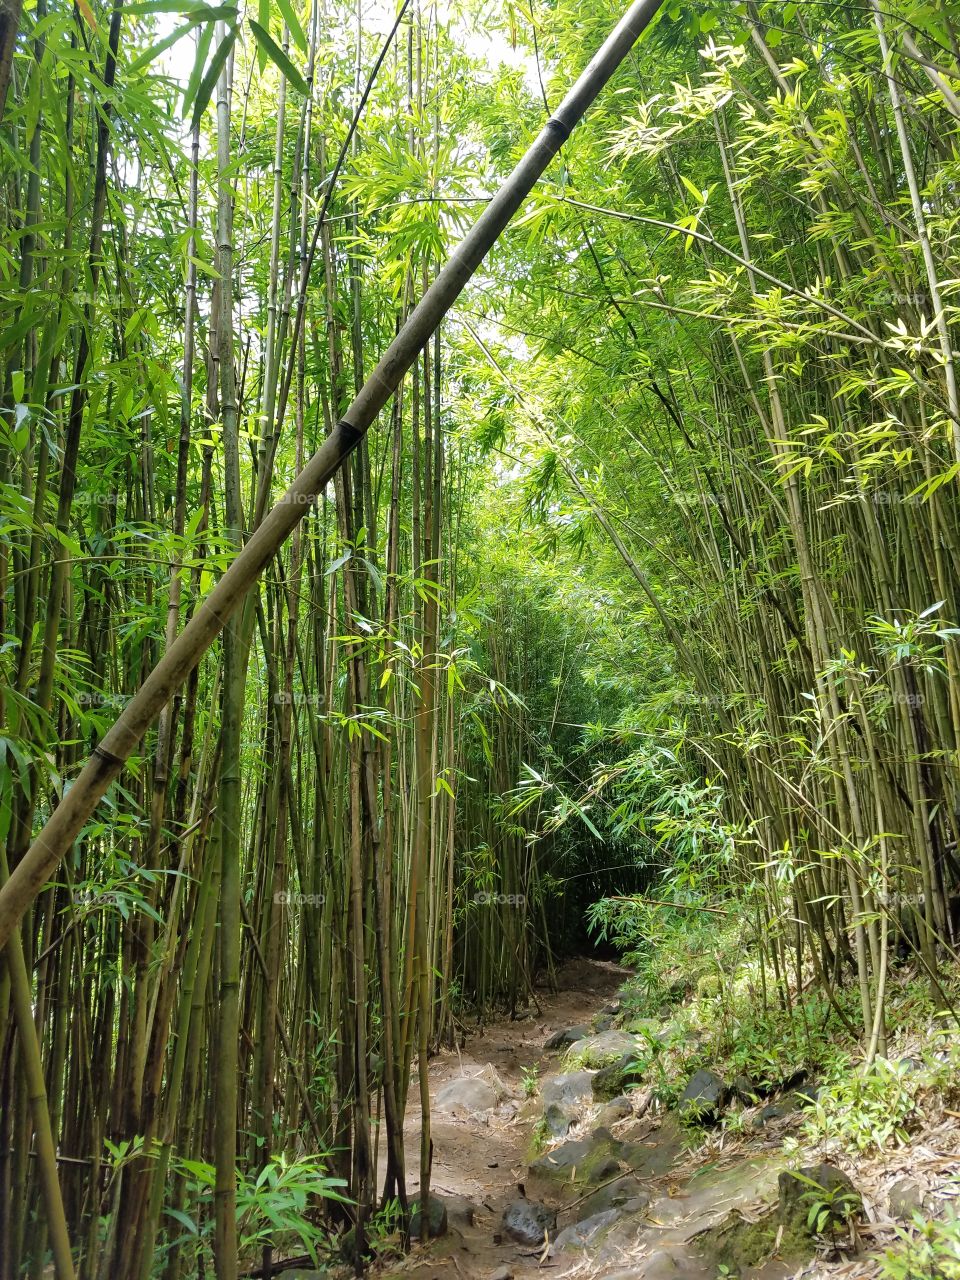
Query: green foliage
{"points": [[826, 1211], [926, 1251], [539, 1136], [276, 1207], [700, 972], [528, 1081], [736, 1246], [694, 579], [672, 948], [865, 1110], [383, 1228]]}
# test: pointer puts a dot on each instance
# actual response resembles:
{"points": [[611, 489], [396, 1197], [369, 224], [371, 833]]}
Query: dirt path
{"points": [[622, 1191], [479, 1161], [634, 1199]]}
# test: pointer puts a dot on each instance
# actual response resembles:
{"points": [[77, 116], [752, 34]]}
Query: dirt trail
{"points": [[624, 1192], [480, 1160], [657, 1230]]}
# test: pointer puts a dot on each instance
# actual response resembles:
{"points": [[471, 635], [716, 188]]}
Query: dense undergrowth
{"points": [[700, 999]]}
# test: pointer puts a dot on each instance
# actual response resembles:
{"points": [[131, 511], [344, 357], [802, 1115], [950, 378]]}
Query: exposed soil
{"points": [[481, 1164], [481, 1160]]}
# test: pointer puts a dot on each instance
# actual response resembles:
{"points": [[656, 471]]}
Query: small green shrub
{"points": [[274, 1208], [528, 1081], [826, 1211], [709, 986], [383, 1229], [865, 1110], [539, 1136], [925, 1251], [769, 1045]]}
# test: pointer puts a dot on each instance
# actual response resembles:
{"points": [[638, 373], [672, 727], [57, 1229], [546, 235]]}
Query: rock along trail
{"points": [[598, 1186]]}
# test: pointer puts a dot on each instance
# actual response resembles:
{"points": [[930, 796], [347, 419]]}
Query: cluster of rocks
{"points": [[589, 1183], [616, 1062], [602, 1169], [610, 1174], [706, 1096], [597, 1165]]}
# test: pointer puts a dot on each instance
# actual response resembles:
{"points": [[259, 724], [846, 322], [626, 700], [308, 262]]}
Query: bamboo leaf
{"points": [[190, 8], [263, 17], [209, 80], [184, 1219], [205, 268], [293, 22], [276, 55], [28, 320], [161, 46], [338, 563], [203, 48], [87, 14]]}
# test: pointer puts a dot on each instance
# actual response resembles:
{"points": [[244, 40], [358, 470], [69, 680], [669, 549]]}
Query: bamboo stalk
{"points": [[55, 838]]}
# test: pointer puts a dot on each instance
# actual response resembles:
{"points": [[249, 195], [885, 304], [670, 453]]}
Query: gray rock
{"points": [[569, 1035], [501, 1273], [623, 1193], [582, 1233], [613, 1079], [650, 1161], [637, 1204], [567, 1089], [906, 1199], [558, 1119], [461, 1212], [744, 1090], [528, 1221], [786, 1106], [466, 1096], [649, 1028], [807, 1094], [581, 1160], [668, 1263], [607, 1047], [665, 1265], [704, 1098], [821, 1184], [661, 1265], [615, 1110], [436, 1218]]}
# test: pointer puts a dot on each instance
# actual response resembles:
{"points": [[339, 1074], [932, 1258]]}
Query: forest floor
{"points": [[482, 1164], [480, 1159], [675, 1202]]}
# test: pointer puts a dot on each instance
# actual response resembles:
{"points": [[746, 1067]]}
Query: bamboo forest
{"points": [[479, 620]]}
